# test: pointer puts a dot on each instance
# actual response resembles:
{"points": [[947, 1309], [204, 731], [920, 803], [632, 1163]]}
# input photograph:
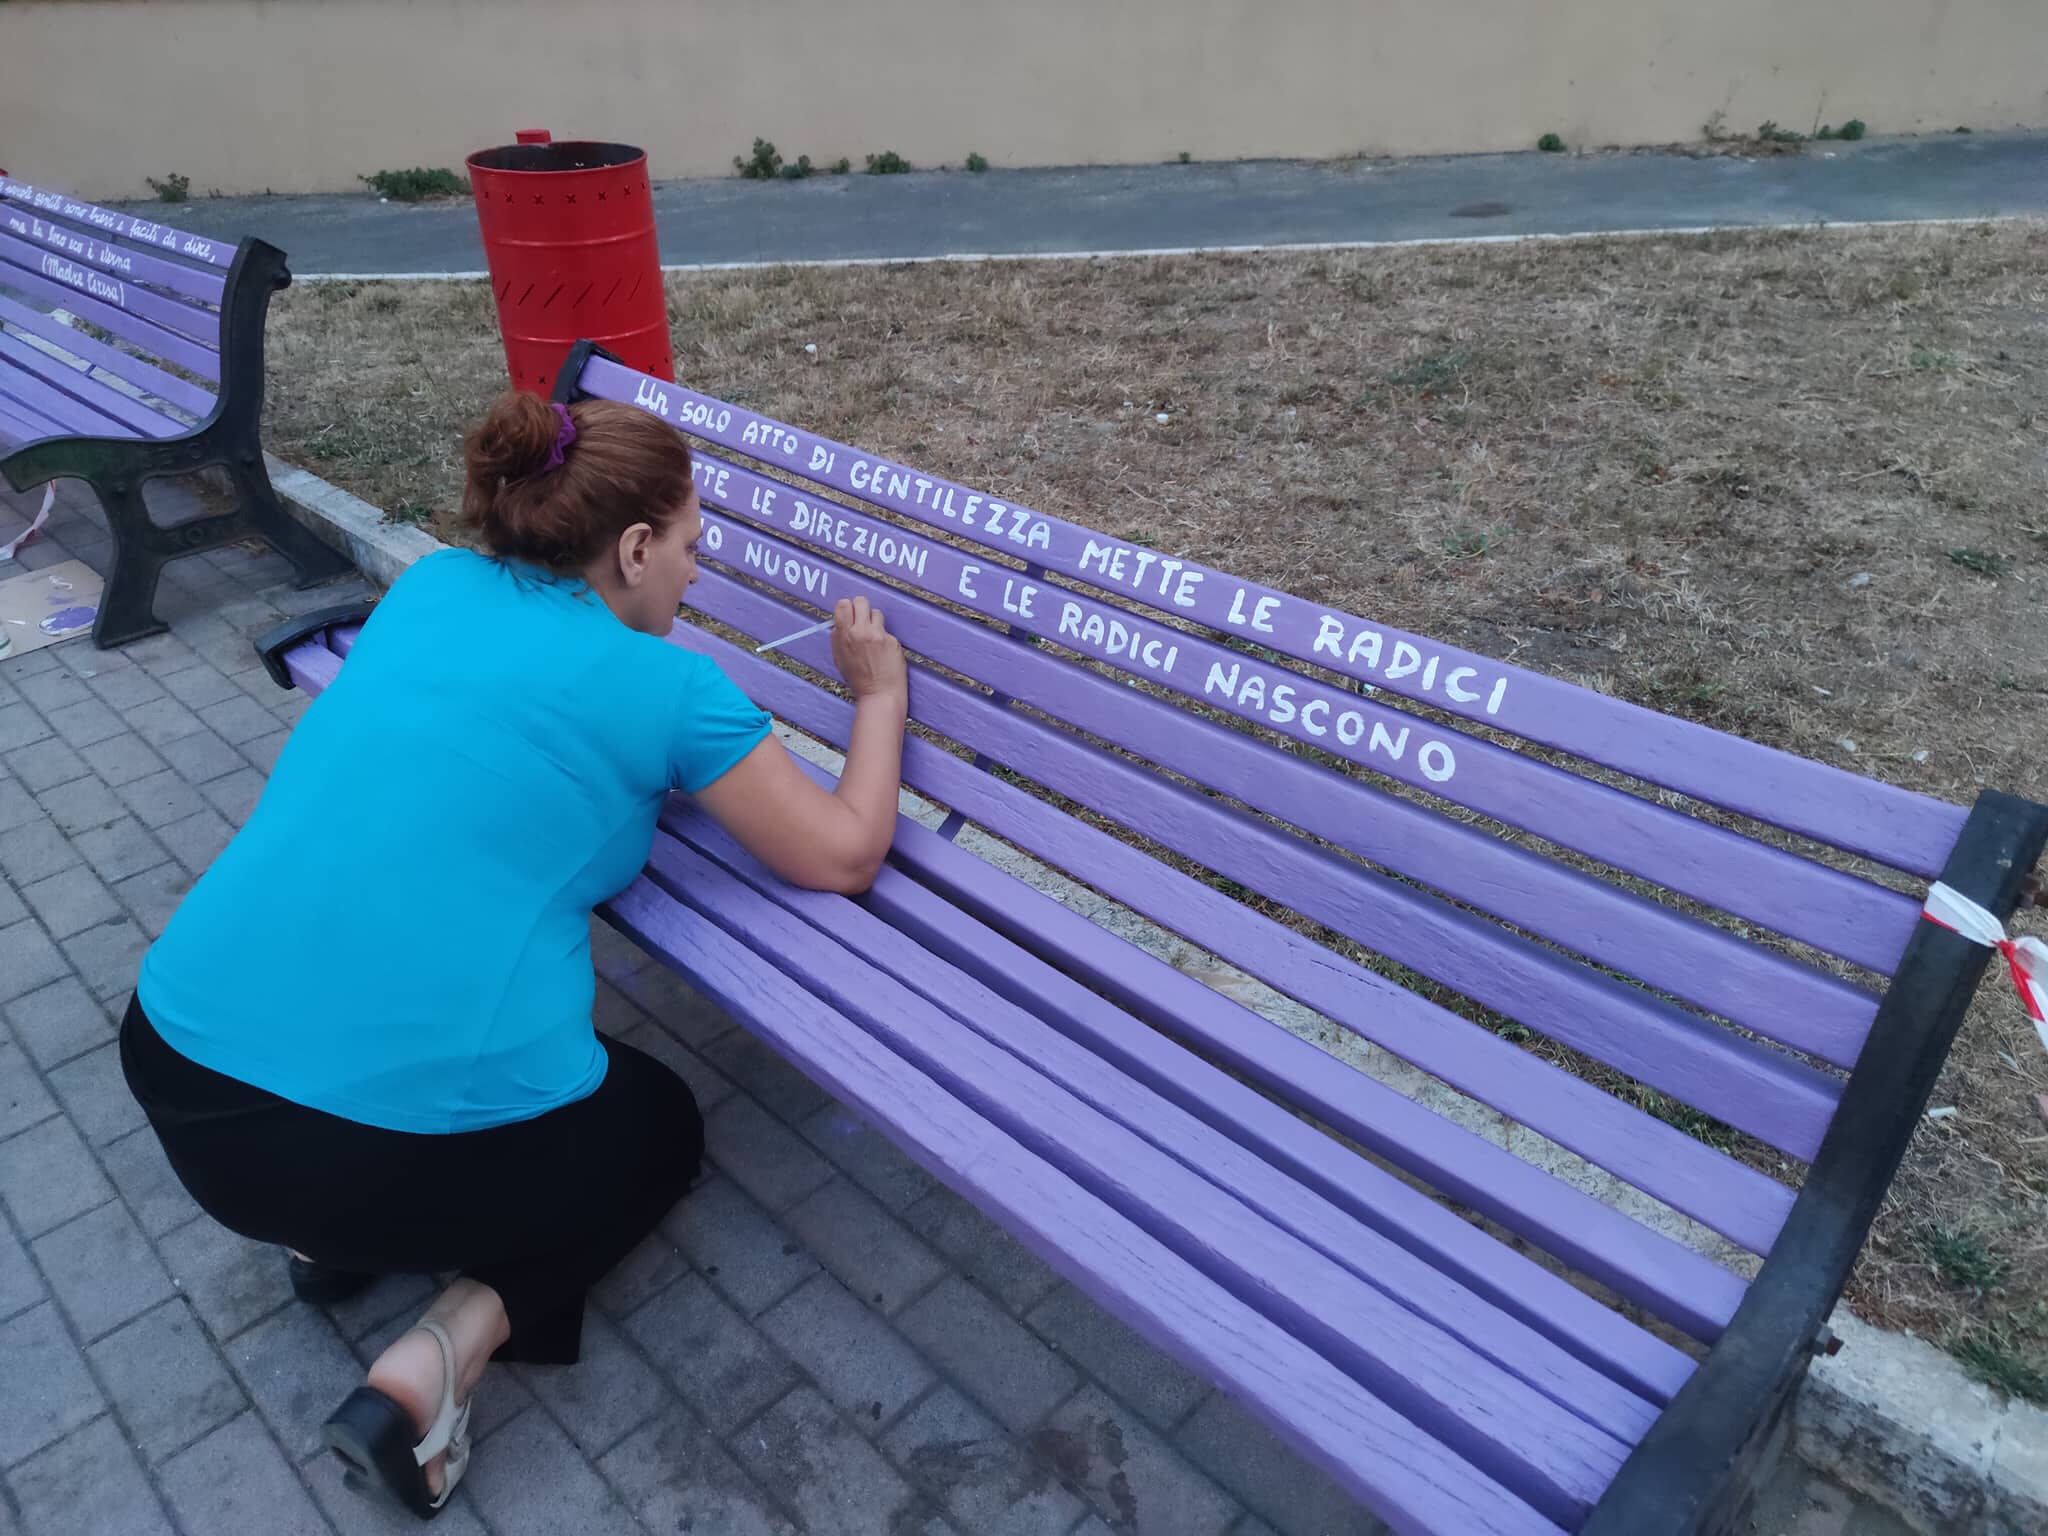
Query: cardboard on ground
{"points": [[39, 608]]}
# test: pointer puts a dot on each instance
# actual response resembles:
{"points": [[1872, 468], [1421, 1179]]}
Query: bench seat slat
{"points": [[1763, 991], [1364, 1253], [1658, 1159], [168, 346], [1538, 1450], [1854, 918], [1668, 1279], [140, 372], [125, 226], [1409, 1478], [199, 326], [74, 418], [23, 423], [1751, 1086], [199, 283], [1894, 826], [126, 415]]}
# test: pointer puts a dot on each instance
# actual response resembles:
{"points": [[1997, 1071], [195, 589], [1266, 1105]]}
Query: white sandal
{"points": [[372, 1434]]}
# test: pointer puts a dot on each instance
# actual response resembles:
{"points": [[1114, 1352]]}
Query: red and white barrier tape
{"points": [[2027, 958], [27, 535]]}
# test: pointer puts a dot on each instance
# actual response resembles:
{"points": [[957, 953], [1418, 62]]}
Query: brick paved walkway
{"points": [[819, 1340]]}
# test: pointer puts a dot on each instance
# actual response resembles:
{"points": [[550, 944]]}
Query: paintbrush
{"points": [[802, 634]]}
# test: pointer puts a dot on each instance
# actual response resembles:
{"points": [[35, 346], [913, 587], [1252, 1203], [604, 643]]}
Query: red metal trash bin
{"points": [[569, 234]]}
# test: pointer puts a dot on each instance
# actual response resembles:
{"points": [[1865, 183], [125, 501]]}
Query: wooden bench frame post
{"points": [[1695, 1471], [229, 439]]}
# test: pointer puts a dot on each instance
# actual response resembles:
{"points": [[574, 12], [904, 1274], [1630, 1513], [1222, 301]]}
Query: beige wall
{"points": [[303, 95]]}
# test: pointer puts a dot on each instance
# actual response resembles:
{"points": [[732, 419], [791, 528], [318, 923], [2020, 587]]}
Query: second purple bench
{"points": [[1466, 1341]]}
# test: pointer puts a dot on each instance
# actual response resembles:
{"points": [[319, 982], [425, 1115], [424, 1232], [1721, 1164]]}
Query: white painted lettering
{"points": [[1436, 762], [1457, 690], [1407, 660], [1329, 631], [1393, 746], [1309, 709], [1218, 678], [1070, 619], [968, 571]]}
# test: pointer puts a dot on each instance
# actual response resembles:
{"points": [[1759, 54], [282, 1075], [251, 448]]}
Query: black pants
{"points": [[538, 1210]]}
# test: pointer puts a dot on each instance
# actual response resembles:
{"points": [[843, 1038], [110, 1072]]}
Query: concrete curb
{"points": [[1890, 1416]]}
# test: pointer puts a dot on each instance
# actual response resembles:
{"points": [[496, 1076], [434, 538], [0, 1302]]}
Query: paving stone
{"points": [[1251, 1462], [47, 1176], [392, 1296], [1135, 1480], [33, 849], [236, 1480], [761, 1154], [153, 896], [123, 849], [737, 1246], [20, 1286], [989, 1483], [529, 1480], [235, 794], [122, 759], [57, 1022], [140, 1171], [17, 806], [836, 1482], [161, 799], [985, 1253], [711, 1355], [673, 1004], [867, 1157], [108, 958], [54, 689], [232, 1282], [706, 1083], [85, 722], [1001, 1364], [1135, 1373], [24, 1101], [28, 960], [264, 751], [358, 1514], [21, 725], [81, 805], [166, 1379], [96, 1095], [71, 901], [642, 1274], [162, 721], [297, 1369], [198, 686], [125, 687], [102, 1269], [197, 840], [49, 1391], [201, 756], [238, 719], [851, 1352], [612, 954], [872, 1253], [46, 765], [160, 655], [88, 1484], [1248, 1524], [781, 1089], [606, 1395], [675, 1476], [12, 908]]}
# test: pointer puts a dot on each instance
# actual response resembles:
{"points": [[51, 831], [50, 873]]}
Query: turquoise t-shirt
{"points": [[400, 935]]}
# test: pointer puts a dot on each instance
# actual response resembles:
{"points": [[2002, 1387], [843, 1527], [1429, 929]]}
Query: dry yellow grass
{"points": [[1788, 484]]}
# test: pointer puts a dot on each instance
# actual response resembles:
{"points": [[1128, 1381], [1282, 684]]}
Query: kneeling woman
{"points": [[366, 1035]]}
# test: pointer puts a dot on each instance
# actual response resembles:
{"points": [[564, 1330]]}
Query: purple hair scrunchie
{"points": [[563, 438]]}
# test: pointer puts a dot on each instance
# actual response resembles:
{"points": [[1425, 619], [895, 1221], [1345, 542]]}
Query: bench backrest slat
{"points": [[169, 346], [200, 327], [1912, 832], [145, 375], [1763, 991], [1752, 1087], [103, 399], [1736, 1201], [145, 232], [201, 283]]}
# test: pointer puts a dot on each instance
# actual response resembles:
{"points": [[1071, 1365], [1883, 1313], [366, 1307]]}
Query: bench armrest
{"points": [[272, 645]]}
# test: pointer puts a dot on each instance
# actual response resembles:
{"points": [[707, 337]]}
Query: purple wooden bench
{"points": [[158, 371], [1244, 1199]]}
